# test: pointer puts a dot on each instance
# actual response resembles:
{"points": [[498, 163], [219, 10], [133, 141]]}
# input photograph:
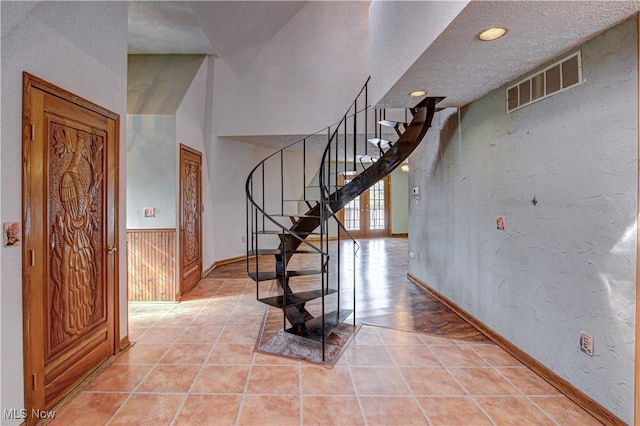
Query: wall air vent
{"points": [[555, 78]]}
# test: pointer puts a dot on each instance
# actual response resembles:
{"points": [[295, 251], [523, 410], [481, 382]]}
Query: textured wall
{"points": [[564, 265], [81, 47], [151, 171], [401, 33]]}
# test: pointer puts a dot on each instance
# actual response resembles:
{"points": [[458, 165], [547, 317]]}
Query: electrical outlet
{"points": [[586, 343], [243, 239]]}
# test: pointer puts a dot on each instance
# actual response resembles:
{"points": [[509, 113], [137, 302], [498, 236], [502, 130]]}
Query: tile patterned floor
{"points": [[192, 365]]}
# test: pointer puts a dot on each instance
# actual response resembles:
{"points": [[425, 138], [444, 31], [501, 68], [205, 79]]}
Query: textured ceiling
{"points": [[462, 68], [454, 65], [210, 27]]}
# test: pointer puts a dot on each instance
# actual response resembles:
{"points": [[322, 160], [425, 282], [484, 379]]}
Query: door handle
{"points": [[111, 248]]}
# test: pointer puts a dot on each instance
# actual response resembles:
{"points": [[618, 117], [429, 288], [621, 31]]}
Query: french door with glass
{"points": [[368, 214]]}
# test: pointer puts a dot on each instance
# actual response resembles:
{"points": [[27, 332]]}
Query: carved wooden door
{"points": [[70, 281], [190, 218]]}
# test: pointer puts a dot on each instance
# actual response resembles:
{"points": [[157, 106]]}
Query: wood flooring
{"points": [[384, 295]]}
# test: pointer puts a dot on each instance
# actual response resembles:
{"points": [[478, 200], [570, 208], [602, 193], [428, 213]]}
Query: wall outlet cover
{"points": [[586, 343]]}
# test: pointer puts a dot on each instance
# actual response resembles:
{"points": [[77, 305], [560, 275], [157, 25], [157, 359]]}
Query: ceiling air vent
{"points": [[555, 78]]}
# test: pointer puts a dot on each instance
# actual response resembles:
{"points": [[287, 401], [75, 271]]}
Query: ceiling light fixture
{"points": [[491, 33], [418, 93]]}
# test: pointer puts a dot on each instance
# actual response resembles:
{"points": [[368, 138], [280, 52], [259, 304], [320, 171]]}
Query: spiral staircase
{"points": [[287, 232]]}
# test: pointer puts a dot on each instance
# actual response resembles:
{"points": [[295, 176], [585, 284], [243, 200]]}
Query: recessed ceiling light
{"points": [[491, 33], [418, 93]]}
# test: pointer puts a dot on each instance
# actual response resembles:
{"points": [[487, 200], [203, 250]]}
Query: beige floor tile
{"points": [[496, 356], [187, 353], [326, 381], [564, 411], [205, 410], [199, 334], [211, 320], [513, 411], [273, 379], [120, 377], [431, 381], [221, 379], [482, 381], [223, 353], [148, 409], [277, 410], [413, 356], [239, 335], [102, 407], [169, 378], [331, 410], [457, 356], [142, 353], [379, 381], [453, 411], [368, 356], [392, 411], [161, 334], [527, 381]]}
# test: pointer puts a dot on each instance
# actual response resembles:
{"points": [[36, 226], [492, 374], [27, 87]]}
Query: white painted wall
{"points": [[564, 265], [190, 130], [301, 80], [400, 32], [47, 39], [151, 176]]}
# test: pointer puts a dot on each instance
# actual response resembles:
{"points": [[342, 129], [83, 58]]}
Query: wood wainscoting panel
{"points": [[151, 259]]}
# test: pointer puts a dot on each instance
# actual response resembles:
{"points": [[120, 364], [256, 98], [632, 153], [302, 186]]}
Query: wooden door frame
{"points": [[31, 82], [193, 151]]}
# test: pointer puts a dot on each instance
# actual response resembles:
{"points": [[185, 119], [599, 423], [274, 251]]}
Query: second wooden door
{"points": [[190, 218]]}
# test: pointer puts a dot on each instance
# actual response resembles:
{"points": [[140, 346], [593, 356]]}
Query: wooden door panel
{"points": [[70, 279], [190, 218]]}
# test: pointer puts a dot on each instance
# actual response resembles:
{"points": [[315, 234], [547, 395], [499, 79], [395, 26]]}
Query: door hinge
{"points": [[33, 131], [34, 381], [33, 258]]}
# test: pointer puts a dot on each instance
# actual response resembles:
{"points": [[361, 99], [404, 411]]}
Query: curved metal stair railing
{"points": [[314, 303]]}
